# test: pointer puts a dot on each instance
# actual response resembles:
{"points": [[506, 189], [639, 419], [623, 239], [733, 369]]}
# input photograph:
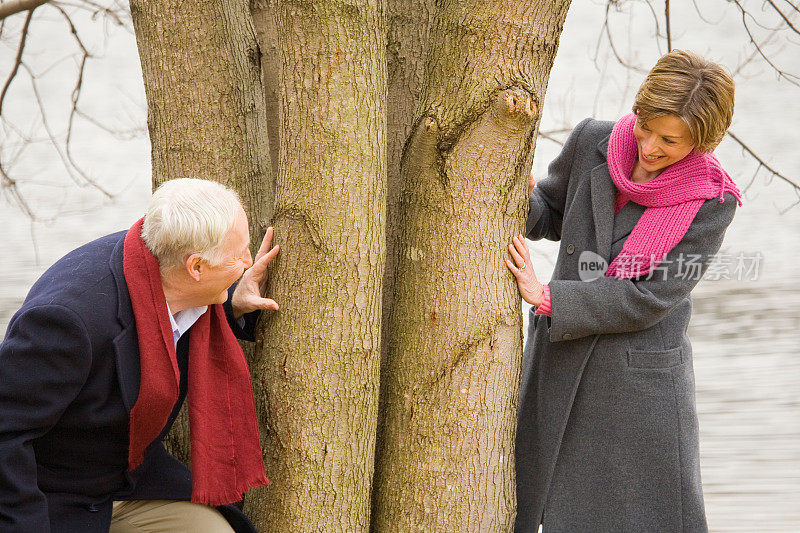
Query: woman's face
{"points": [[662, 141]]}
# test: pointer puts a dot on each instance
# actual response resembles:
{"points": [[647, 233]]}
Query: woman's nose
{"points": [[648, 145], [248, 259]]}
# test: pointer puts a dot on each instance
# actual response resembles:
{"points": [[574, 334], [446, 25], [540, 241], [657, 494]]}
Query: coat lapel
{"points": [[126, 344], [603, 203]]}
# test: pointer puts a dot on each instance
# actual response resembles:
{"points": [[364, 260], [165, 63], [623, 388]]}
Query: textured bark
{"points": [[206, 111], [264, 21], [205, 103], [318, 358], [452, 371], [408, 25]]}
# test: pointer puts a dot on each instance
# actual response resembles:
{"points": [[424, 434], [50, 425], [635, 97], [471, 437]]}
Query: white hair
{"points": [[187, 216]]}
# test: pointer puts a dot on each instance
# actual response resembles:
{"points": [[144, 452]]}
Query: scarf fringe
{"points": [[216, 498]]}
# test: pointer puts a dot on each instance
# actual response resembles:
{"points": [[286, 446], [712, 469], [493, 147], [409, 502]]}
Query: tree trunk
{"points": [[206, 112], [264, 21], [408, 26], [452, 373], [318, 357]]}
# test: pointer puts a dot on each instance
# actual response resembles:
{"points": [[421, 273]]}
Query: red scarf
{"points": [[226, 454], [672, 198]]}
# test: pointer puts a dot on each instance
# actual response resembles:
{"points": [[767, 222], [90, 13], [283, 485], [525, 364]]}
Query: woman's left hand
{"points": [[529, 286]]}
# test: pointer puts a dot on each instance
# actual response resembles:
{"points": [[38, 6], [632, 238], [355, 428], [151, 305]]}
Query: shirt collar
{"points": [[183, 320]]}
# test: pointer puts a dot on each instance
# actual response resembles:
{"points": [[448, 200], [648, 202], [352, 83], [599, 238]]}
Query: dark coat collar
{"points": [[126, 343], [603, 191]]}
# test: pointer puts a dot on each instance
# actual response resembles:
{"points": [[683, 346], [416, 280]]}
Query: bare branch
{"points": [[737, 71], [761, 162], [76, 94], [550, 135], [18, 59], [15, 6], [784, 17], [621, 61], [9, 185], [791, 78], [794, 7], [703, 17], [669, 28], [95, 8], [658, 25]]}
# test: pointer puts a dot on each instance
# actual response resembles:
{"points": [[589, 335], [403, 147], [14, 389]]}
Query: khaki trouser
{"points": [[166, 516]]}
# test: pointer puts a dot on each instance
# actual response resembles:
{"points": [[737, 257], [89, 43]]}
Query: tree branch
{"points": [[15, 6], [791, 78], [76, 94], [621, 61], [783, 16], [18, 59], [761, 162]]}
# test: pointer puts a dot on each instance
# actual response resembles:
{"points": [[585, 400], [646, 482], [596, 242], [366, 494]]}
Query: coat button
{"points": [[567, 337], [570, 249]]}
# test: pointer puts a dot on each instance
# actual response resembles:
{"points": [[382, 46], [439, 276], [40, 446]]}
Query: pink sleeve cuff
{"points": [[544, 309]]}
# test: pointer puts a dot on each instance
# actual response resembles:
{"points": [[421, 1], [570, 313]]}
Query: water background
{"points": [[745, 331]]}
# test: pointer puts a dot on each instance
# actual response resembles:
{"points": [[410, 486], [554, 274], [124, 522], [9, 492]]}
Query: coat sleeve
{"points": [[613, 305], [548, 199], [44, 361], [245, 327]]}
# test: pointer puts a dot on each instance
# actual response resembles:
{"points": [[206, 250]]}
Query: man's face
{"points": [[215, 280]]}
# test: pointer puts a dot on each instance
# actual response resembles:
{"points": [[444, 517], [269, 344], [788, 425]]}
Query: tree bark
{"points": [[452, 372], [408, 26], [206, 110], [318, 357], [205, 104], [264, 21]]}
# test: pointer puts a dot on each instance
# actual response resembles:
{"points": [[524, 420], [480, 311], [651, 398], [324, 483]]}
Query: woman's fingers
{"points": [[518, 259], [522, 248], [531, 183], [513, 268]]}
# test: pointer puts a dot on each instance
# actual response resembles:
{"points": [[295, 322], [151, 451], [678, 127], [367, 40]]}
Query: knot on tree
{"points": [[517, 104], [431, 126]]}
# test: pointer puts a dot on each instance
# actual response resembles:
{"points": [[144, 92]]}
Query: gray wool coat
{"points": [[607, 437]]}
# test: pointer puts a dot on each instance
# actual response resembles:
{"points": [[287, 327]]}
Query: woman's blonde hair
{"points": [[698, 91], [188, 215]]}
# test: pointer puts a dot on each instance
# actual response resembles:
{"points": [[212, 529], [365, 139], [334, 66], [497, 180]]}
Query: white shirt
{"points": [[183, 320]]}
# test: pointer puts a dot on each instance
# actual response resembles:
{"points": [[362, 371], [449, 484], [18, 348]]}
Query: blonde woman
{"points": [[607, 437]]}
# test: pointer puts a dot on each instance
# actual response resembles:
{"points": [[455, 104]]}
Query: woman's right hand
{"points": [[530, 288], [531, 183]]}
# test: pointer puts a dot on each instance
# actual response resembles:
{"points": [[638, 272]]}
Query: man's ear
{"points": [[194, 266]]}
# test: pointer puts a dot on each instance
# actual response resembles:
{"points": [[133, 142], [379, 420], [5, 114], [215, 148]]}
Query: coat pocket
{"points": [[655, 359]]}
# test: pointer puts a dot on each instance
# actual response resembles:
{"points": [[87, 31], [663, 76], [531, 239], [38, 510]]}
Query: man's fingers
{"points": [[266, 243], [268, 303], [260, 265]]}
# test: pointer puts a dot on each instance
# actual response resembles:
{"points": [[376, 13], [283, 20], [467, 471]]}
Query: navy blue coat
{"points": [[69, 376]]}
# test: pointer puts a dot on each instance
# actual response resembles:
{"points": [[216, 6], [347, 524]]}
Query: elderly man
{"points": [[97, 362]]}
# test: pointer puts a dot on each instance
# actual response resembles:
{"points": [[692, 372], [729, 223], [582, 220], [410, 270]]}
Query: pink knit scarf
{"points": [[672, 198]]}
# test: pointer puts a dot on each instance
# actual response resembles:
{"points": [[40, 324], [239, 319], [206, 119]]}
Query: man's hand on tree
{"points": [[250, 293]]}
